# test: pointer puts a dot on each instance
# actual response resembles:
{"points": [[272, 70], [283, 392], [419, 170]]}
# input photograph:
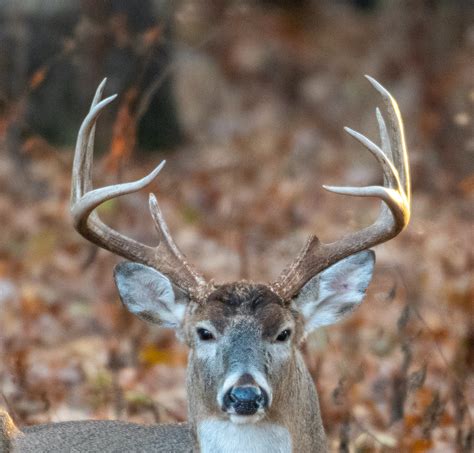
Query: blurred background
{"points": [[247, 101]]}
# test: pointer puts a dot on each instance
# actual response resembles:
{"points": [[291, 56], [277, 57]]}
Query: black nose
{"points": [[245, 400]]}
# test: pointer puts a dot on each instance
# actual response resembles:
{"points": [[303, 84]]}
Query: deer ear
{"points": [[149, 295], [334, 293]]}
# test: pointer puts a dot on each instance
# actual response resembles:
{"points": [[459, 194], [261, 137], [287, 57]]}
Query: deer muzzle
{"points": [[245, 397]]}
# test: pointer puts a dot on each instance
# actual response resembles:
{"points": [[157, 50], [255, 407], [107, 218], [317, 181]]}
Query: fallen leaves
{"points": [[397, 376]]}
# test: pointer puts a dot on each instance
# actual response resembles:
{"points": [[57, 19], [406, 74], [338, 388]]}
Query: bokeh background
{"points": [[246, 100]]}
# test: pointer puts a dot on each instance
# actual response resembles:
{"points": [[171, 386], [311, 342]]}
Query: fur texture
{"points": [[217, 436]]}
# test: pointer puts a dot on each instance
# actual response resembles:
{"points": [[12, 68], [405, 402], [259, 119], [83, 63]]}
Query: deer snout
{"points": [[245, 395], [245, 400]]}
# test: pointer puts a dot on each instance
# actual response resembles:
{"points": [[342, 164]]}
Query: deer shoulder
{"points": [[103, 437]]}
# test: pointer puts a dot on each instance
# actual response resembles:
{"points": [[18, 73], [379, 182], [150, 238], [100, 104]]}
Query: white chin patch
{"points": [[245, 419]]}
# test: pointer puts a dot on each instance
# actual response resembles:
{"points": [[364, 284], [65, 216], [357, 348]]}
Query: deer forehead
{"points": [[243, 304]]}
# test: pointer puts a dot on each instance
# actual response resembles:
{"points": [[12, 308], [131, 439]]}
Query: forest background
{"points": [[247, 101]]}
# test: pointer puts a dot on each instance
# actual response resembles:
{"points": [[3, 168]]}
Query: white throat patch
{"points": [[222, 436]]}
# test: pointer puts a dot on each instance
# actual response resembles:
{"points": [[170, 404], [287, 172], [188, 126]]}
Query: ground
{"points": [[262, 110]]}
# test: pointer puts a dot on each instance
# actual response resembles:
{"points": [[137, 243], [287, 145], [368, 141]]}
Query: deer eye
{"points": [[284, 335], [204, 334]]}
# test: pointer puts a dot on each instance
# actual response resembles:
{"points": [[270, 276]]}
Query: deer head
{"points": [[244, 337]]}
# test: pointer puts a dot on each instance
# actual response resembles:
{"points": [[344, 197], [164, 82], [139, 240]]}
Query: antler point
{"points": [[368, 77], [161, 165], [379, 87], [333, 189]]}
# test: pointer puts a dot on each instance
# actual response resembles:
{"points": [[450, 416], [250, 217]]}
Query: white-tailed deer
{"points": [[248, 387]]}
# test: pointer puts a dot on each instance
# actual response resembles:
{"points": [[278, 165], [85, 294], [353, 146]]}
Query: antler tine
{"points": [[84, 147], [85, 199], [397, 136], [394, 214], [170, 256], [90, 143]]}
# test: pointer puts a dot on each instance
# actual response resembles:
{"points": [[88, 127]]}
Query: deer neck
{"points": [[292, 425]]}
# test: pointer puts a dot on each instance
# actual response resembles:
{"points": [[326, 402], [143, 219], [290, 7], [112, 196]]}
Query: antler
{"points": [[166, 257], [394, 213]]}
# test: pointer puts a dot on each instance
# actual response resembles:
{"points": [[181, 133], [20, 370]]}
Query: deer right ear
{"points": [[149, 295]]}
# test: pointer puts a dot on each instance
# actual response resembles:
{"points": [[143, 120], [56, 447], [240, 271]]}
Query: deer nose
{"points": [[245, 400]]}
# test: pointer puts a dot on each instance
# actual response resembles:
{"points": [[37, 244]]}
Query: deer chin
{"points": [[246, 419]]}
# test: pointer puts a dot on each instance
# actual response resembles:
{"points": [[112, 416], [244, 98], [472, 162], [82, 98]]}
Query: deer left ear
{"points": [[334, 293]]}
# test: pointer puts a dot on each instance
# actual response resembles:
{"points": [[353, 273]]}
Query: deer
{"points": [[248, 387]]}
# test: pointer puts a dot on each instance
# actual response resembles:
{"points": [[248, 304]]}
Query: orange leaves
{"points": [[153, 355], [152, 36], [32, 304], [38, 77], [124, 132], [419, 445], [128, 115]]}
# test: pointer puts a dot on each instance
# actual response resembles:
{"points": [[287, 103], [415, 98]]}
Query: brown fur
{"points": [[255, 301]]}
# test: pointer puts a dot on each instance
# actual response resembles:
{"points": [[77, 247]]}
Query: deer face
{"points": [[244, 337], [242, 340]]}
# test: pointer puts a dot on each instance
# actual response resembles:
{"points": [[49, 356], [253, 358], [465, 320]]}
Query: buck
{"points": [[247, 385]]}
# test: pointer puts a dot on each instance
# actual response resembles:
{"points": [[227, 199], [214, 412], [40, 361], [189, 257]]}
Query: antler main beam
{"points": [[166, 257], [394, 214], [314, 257]]}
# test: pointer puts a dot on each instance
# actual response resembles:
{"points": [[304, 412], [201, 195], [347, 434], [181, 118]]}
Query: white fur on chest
{"points": [[219, 436]]}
